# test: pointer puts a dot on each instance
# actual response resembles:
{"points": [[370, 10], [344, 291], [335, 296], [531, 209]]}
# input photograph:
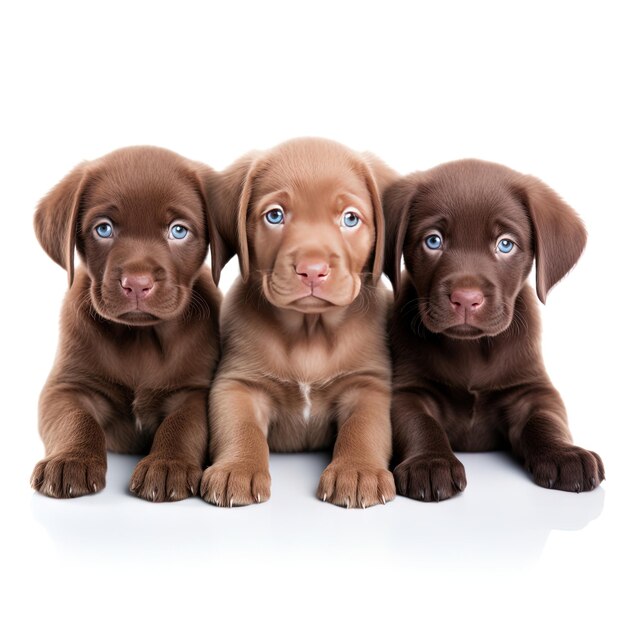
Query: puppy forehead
{"points": [[143, 179], [469, 199], [311, 174]]}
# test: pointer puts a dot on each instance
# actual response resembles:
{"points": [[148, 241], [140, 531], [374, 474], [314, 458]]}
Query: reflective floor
{"points": [[502, 517]]}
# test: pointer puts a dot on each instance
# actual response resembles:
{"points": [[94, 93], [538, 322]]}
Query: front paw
{"points": [[430, 477], [351, 485], [161, 479], [69, 475], [235, 484], [568, 468]]}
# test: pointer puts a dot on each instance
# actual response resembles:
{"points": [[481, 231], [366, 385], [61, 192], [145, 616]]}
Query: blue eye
{"points": [[505, 245], [350, 219], [104, 230], [178, 231], [275, 216], [433, 242]]}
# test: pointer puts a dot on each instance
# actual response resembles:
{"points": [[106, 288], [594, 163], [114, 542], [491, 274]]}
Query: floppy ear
{"points": [[233, 196], [558, 233], [396, 205], [373, 171], [209, 182], [56, 218]]}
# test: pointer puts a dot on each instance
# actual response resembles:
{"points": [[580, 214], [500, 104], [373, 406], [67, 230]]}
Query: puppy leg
{"points": [[358, 475], [239, 417], [76, 461], [540, 436], [173, 469], [428, 469]]}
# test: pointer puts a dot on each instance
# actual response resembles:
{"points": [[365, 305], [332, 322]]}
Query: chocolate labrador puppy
{"points": [[468, 372], [305, 360], [139, 326]]}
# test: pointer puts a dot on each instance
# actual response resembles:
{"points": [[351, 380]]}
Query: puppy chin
{"points": [[137, 318], [465, 331]]}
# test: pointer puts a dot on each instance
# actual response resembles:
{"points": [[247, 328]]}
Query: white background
{"points": [[538, 86]]}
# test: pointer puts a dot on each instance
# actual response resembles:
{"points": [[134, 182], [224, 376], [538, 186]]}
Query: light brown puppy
{"points": [[139, 336], [305, 359]]}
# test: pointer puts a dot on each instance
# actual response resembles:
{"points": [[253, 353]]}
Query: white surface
{"points": [[538, 86]]}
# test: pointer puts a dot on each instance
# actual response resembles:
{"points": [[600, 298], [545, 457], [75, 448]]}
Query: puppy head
{"points": [[469, 231], [309, 226], [139, 219]]}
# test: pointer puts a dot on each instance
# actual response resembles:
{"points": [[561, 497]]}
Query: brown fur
{"points": [[470, 377], [132, 373], [301, 371]]}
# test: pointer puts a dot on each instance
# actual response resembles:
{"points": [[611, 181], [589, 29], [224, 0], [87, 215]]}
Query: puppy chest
{"points": [[148, 410], [302, 420], [471, 421], [307, 403]]}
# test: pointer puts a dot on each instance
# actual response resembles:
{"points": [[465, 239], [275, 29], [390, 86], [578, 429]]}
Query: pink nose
{"points": [[466, 300], [137, 285], [312, 273]]}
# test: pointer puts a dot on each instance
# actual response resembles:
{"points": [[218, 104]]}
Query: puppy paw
{"points": [[235, 484], [430, 477], [160, 479], [69, 475], [350, 485], [568, 468]]}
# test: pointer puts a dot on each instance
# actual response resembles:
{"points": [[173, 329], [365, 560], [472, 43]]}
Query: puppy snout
{"points": [[137, 285], [466, 300], [312, 272]]}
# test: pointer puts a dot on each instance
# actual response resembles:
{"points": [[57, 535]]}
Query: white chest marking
{"points": [[305, 389]]}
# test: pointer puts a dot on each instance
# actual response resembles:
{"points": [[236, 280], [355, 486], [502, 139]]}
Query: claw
{"points": [[94, 487], [324, 498], [231, 503], [258, 497], [69, 491], [347, 503]]}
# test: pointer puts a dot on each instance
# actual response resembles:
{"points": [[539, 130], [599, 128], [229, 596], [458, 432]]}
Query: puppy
{"points": [[139, 326], [468, 372], [305, 359]]}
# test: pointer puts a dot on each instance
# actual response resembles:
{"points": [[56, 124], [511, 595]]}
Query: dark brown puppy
{"points": [[139, 325], [468, 371]]}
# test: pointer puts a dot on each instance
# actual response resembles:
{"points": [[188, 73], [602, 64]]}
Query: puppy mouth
{"points": [[167, 306], [489, 324], [305, 299]]}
